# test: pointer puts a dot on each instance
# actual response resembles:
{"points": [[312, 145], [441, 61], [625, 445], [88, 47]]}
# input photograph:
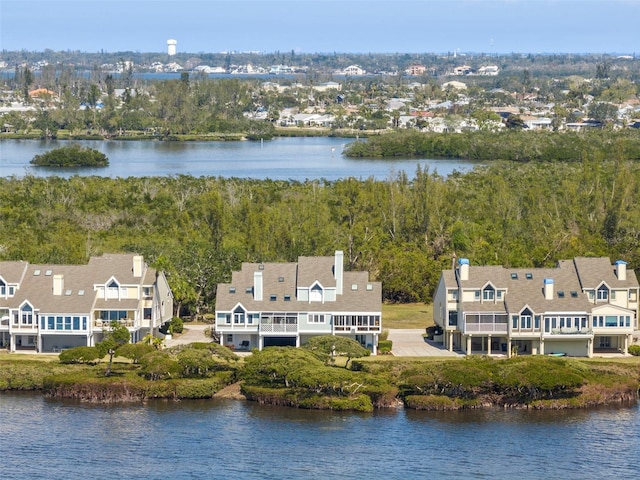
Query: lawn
{"points": [[407, 315]]}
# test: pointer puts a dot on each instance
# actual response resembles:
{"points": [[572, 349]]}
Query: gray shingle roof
{"points": [[78, 295], [304, 273], [525, 286]]}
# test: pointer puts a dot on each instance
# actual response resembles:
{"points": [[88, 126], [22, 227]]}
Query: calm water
{"points": [[278, 159], [230, 439]]}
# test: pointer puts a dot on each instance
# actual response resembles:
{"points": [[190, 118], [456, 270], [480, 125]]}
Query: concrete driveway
{"points": [[192, 334], [410, 343]]}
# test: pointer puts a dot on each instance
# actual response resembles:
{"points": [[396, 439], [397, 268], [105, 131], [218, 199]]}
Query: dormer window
{"points": [[603, 293], [112, 289], [315, 295], [488, 293]]}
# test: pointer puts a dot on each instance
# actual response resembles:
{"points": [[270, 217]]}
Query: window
{"points": [[369, 287], [476, 294], [67, 292], [514, 276], [112, 290], [603, 293], [273, 298], [499, 294], [36, 272], [528, 276], [613, 294], [147, 292], [287, 298], [232, 289], [248, 290], [632, 295], [488, 293], [560, 294], [574, 294], [80, 292], [316, 318], [238, 317], [591, 294], [27, 315], [280, 279], [48, 273], [354, 286]]}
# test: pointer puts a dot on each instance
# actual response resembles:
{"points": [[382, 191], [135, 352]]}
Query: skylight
{"points": [[514, 276], [48, 273], [560, 294], [36, 273], [529, 276]]}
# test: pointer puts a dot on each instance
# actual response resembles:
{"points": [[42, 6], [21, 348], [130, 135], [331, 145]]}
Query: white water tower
{"points": [[171, 46]]}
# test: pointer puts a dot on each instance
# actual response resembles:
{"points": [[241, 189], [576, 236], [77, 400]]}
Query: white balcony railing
{"points": [[279, 327], [485, 328]]}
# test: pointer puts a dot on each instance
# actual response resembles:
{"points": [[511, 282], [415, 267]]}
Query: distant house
{"points": [[42, 92], [582, 307], [490, 70], [462, 70], [353, 70], [280, 304], [47, 308], [416, 70], [454, 85]]}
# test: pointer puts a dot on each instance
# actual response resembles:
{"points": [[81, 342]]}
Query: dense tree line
{"points": [[404, 231], [510, 145]]}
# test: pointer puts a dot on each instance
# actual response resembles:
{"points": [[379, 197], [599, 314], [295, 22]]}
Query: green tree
{"points": [[330, 346], [114, 337]]}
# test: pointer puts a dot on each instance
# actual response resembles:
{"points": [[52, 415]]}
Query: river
{"points": [[297, 158], [228, 439]]}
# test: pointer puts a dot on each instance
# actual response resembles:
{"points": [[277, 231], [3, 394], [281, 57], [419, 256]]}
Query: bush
{"points": [[80, 355], [71, 156], [634, 350], [135, 351], [384, 346], [176, 325]]}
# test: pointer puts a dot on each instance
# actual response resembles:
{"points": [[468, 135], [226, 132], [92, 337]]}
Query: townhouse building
{"points": [[582, 307], [279, 304], [49, 308]]}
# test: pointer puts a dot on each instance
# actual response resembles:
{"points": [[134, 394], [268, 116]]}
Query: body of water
{"points": [[229, 439], [279, 159]]}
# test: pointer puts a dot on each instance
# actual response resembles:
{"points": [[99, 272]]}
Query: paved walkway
{"points": [[192, 334], [411, 343]]}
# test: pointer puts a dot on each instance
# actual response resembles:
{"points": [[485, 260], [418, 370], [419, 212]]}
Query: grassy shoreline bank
{"points": [[422, 384]]}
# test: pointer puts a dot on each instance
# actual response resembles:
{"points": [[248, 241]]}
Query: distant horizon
{"points": [[493, 27]]}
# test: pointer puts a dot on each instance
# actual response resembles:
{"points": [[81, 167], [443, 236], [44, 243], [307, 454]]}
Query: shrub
{"points": [[634, 350], [176, 325], [135, 351], [80, 355], [71, 156], [159, 366], [384, 346]]}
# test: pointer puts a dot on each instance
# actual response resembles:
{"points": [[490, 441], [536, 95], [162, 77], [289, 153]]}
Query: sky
{"points": [[323, 26]]}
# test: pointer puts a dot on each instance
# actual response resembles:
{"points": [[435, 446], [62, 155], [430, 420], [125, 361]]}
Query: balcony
{"points": [[485, 328], [570, 331], [127, 322], [278, 327], [356, 328]]}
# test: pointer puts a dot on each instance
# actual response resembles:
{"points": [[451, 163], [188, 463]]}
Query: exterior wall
{"points": [[578, 348]]}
